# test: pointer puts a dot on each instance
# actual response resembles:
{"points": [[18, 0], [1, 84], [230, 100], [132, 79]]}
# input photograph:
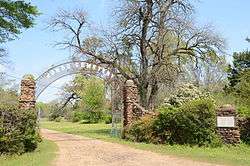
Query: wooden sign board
{"points": [[225, 121]]}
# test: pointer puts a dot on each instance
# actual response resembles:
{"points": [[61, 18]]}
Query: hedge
{"points": [[244, 124], [194, 123], [18, 130]]}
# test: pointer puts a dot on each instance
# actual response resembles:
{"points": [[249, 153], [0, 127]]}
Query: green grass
{"points": [[229, 155], [42, 156]]}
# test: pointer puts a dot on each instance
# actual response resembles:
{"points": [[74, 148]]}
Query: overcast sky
{"points": [[33, 52]]}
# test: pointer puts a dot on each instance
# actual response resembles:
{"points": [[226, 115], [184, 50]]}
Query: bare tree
{"points": [[152, 41], [209, 75]]}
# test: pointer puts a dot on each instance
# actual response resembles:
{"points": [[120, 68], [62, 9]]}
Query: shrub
{"points": [[55, 112], [58, 119], [88, 116], [243, 111], [18, 130], [194, 123], [68, 113], [142, 130], [245, 129], [244, 123], [94, 116], [108, 118], [77, 116]]}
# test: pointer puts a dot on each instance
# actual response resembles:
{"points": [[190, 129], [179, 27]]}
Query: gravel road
{"points": [[81, 151]]}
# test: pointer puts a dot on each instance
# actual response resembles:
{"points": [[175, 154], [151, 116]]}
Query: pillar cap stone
{"points": [[129, 83], [227, 107], [28, 77]]}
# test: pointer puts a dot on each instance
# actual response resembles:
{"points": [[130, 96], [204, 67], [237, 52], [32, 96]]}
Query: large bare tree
{"points": [[150, 42], [209, 75]]}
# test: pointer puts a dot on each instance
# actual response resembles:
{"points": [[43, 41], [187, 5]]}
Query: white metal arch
{"points": [[56, 72]]}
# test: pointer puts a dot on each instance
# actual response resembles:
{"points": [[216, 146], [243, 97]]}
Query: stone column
{"points": [[229, 133], [27, 98], [130, 96]]}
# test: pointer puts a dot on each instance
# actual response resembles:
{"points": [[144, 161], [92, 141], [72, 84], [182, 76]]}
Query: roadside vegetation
{"points": [[229, 155], [42, 156], [83, 100], [184, 124], [176, 128], [18, 128]]}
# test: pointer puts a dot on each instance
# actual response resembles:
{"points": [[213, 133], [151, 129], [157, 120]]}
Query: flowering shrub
{"points": [[185, 93]]}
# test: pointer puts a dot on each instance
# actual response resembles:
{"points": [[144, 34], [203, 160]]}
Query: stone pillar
{"points": [[227, 124], [130, 96], [27, 98]]}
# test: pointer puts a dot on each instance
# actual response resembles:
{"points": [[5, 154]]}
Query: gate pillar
{"points": [[228, 124], [130, 97], [27, 99]]}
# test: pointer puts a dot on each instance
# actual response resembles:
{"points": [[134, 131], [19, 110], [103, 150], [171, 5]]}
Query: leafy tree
{"points": [[238, 76], [8, 97], [242, 89], [15, 16], [90, 105], [151, 41], [90, 91], [241, 64], [44, 108]]}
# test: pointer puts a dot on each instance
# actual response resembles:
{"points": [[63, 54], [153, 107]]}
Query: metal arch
{"points": [[69, 68]]}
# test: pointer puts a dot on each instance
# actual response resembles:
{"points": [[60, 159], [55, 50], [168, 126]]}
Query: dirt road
{"points": [[82, 151]]}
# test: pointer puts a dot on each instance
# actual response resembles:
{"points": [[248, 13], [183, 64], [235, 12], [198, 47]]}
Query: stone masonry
{"points": [[130, 96], [27, 98], [230, 135]]}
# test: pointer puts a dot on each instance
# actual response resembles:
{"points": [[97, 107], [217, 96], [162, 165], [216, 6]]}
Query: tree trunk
{"points": [[153, 96], [143, 89]]}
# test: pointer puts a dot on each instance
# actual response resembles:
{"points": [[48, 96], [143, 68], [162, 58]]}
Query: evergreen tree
{"points": [[241, 64]]}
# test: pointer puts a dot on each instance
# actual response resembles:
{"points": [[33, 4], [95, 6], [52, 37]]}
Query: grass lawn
{"points": [[228, 155], [42, 156]]}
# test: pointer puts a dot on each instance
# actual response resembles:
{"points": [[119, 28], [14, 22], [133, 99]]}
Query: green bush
{"points": [[58, 119], [142, 131], [243, 111], [108, 118], [55, 112], [94, 116], [78, 116], [89, 116], [18, 130], [244, 125], [193, 123]]}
